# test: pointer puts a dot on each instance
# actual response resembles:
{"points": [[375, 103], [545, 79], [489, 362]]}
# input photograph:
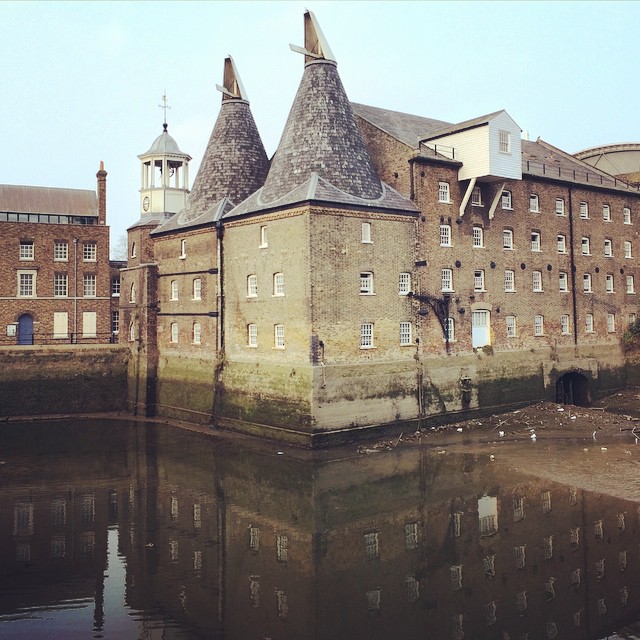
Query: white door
{"points": [[60, 324], [480, 329]]}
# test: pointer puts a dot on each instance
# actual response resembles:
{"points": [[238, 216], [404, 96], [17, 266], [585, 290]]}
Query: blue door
{"points": [[25, 329]]}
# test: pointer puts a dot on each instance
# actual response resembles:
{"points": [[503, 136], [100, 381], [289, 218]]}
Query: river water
{"points": [[145, 531]]}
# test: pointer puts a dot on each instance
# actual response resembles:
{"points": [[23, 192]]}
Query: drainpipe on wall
{"points": [[572, 267], [75, 292]]}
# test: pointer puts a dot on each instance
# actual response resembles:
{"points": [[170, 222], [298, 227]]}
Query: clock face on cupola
{"points": [[165, 175]]}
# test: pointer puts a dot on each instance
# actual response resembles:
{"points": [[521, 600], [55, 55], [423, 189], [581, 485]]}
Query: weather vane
{"points": [[164, 106]]}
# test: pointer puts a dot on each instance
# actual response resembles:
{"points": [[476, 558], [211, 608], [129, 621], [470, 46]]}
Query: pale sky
{"points": [[82, 82]]}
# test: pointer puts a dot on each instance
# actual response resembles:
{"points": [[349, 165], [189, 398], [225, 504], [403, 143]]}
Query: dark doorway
{"points": [[25, 329], [573, 388]]}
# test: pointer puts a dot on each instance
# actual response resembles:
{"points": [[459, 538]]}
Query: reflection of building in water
{"points": [[246, 544]]}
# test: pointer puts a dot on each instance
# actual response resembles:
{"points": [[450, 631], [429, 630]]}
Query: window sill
{"points": [[508, 249], [479, 291], [61, 259], [366, 293], [366, 348], [510, 291], [507, 208], [263, 246], [278, 348], [447, 291], [277, 295], [366, 242], [445, 201], [252, 297], [252, 346], [182, 257]]}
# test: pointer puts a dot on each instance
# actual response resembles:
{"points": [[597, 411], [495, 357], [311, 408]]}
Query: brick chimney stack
{"points": [[102, 194]]}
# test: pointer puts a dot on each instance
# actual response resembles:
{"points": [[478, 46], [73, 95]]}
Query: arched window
{"points": [[134, 250], [132, 294]]}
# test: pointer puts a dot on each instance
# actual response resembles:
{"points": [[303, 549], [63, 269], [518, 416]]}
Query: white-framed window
{"points": [[509, 280], [504, 141], [450, 329], [584, 210], [585, 244], [444, 192], [506, 200], [535, 241], [366, 335], [631, 288], [562, 243], [132, 331], [507, 239], [586, 283], [563, 281], [611, 322], [564, 324], [89, 252], [263, 238], [627, 249], [134, 250], [365, 233], [278, 284], [174, 290], [183, 249], [559, 206], [534, 203], [478, 237], [608, 248], [446, 280], [511, 325], [366, 283], [606, 213], [632, 318], [252, 285], [538, 326], [60, 251], [89, 285], [478, 280], [537, 280], [197, 288], [252, 335], [476, 197], [61, 325], [608, 279], [89, 324], [282, 548], [132, 292], [404, 284], [115, 322], [26, 250], [588, 323], [60, 285], [115, 286], [405, 333], [196, 333], [175, 332], [626, 215], [278, 332], [445, 235], [411, 535]]}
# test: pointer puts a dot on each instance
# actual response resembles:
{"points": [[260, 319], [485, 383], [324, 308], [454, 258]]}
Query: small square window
{"points": [[444, 193], [60, 251], [89, 251], [366, 335], [26, 250], [534, 204], [405, 333]]}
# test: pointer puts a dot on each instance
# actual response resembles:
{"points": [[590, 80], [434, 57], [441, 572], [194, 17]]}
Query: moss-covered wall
{"points": [[54, 380]]}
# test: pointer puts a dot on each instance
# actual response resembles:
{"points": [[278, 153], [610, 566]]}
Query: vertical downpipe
{"points": [[75, 292], [572, 268]]}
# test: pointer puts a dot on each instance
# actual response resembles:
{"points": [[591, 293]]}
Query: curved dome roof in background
{"points": [[164, 144], [621, 160]]}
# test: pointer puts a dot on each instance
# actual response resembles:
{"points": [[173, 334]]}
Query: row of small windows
{"points": [[196, 333], [196, 289], [252, 285], [27, 285], [444, 197], [447, 286], [60, 251], [536, 241]]}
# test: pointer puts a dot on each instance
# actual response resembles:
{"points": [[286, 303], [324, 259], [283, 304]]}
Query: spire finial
{"points": [[164, 106]]}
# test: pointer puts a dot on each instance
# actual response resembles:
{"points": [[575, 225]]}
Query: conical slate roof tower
{"points": [[322, 155]]}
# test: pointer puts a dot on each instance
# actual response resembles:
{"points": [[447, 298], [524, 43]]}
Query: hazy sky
{"points": [[82, 82]]}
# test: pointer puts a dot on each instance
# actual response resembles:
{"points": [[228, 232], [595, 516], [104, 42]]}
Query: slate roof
{"points": [[404, 127], [235, 163], [460, 126], [186, 219], [26, 199]]}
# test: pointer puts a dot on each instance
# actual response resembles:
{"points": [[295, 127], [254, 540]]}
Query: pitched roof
{"points": [[27, 199], [405, 127], [187, 220], [460, 126]]}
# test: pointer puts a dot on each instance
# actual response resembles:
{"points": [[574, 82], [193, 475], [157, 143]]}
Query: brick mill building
{"points": [[56, 284], [383, 269]]}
